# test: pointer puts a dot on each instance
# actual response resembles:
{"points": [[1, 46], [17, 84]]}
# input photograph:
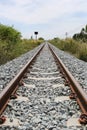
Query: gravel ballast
{"points": [[43, 101], [10, 69], [77, 67]]}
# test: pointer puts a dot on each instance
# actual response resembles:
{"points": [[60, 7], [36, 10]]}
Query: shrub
{"points": [[74, 47], [9, 34], [83, 52], [8, 53]]}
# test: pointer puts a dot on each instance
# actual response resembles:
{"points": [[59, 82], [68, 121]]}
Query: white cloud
{"points": [[27, 11], [55, 12]]}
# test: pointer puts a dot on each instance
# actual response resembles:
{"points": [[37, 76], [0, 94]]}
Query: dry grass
{"points": [[11, 51], [76, 48]]}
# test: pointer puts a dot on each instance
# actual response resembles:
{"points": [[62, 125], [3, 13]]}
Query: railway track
{"points": [[42, 89]]}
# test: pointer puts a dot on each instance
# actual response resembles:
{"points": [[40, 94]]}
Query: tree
{"points": [[86, 28], [82, 35]]}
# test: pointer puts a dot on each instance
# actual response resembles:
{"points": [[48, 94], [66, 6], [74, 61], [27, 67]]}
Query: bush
{"points": [[9, 34], [83, 52], [11, 45], [8, 53], [72, 46]]}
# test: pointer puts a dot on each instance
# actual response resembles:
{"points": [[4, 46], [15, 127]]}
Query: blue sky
{"points": [[51, 18]]}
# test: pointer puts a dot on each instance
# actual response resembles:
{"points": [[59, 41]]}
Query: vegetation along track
{"points": [[43, 91]]}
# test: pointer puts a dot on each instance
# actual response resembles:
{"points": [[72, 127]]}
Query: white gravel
{"points": [[43, 102], [77, 67], [10, 69]]}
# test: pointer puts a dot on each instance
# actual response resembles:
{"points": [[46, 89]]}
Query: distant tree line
{"points": [[41, 38], [82, 35]]}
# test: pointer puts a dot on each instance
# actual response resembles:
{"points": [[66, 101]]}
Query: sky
{"points": [[51, 18]]}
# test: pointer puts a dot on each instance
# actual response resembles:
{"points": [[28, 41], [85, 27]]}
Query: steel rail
{"points": [[13, 85], [80, 94]]}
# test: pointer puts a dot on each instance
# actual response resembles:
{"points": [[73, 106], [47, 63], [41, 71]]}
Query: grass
{"points": [[9, 51], [77, 48]]}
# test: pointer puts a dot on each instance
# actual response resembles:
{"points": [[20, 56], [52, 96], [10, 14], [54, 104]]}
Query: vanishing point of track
{"points": [[76, 90]]}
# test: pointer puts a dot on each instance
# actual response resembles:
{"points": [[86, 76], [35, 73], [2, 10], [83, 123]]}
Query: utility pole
{"points": [[31, 37], [36, 33], [66, 34]]}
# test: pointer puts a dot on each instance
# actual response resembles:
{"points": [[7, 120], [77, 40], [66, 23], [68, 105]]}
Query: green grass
{"points": [[76, 48], [9, 51]]}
